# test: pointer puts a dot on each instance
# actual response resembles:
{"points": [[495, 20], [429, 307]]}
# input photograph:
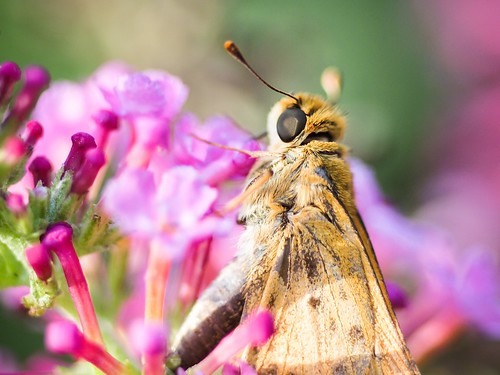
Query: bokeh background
{"points": [[421, 90]]}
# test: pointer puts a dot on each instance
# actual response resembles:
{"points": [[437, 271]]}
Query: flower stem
{"points": [[157, 273], [58, 238], [156, 281]]}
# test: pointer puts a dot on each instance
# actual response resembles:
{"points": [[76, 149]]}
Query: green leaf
{"points": [[13, 267], [12, 271]]}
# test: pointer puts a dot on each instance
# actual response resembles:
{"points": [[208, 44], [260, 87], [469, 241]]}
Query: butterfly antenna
{"points": [[234, 51]]}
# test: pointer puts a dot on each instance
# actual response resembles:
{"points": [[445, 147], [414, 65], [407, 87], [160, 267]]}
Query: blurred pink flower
{"points": [[215, 163], [478, 289], [150, 93], [67, 108], [168, 210], [467, 35], [462, 194]]}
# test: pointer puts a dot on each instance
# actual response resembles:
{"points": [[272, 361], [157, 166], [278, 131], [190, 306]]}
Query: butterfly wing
{"points": [[324, 287]]}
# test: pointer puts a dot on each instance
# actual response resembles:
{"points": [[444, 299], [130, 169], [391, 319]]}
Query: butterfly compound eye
{"points": [[291, 123]]}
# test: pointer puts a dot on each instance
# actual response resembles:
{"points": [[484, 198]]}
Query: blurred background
{"points": [[421, 91]]}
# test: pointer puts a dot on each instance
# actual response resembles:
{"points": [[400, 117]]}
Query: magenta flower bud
{"points": [[36, 78], [33, 132], [64, 337], [39, 258], [85, 176], [35, 81], [397, 295], [15, 203], [13, 151], [58, 238], [254, 331], [107, 121], [10, 73], [41, 170], [149, 338], [82, 142]]}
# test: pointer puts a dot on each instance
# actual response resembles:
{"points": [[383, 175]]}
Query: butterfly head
{"points": [[298, 120]]}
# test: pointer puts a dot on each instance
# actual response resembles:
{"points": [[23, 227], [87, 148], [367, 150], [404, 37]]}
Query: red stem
{"points": [[100, 358], [58, 238], [79, 291]]}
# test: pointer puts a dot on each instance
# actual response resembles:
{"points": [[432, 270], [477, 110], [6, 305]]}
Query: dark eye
{"points": [[290, 123]]}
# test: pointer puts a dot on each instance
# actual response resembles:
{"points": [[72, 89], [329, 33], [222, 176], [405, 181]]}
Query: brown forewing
{"points": [[316, 272]]}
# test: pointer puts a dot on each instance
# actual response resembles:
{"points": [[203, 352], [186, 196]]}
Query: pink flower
{"points": [[478, 289], [215, 163], [254, 331], [150, 93], [162, 205], [144, 207]]}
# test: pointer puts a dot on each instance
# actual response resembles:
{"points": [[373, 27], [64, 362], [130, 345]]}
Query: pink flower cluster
{"points": [[165, 194]]}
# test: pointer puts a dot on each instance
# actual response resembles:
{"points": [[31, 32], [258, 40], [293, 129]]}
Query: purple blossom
{"points": [[478, 289], [151, 93], [215, 163], [84, 178], [129, 198], [143, 207], [41, 170], [58, 238]]}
